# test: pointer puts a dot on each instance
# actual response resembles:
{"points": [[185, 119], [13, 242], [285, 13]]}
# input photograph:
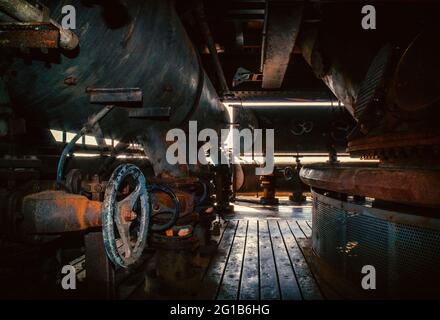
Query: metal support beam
{"points": [[281, 31], [212, 48]]}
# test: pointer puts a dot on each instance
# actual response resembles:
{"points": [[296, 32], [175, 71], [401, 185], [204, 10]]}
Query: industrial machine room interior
{"points": [[230, 150]]}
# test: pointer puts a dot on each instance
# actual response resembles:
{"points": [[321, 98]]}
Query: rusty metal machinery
{"points": [[393, 95], [389, 83], [305, 129], [299, 129], [286, 179], [144, 83], [267, 183], [134, 63], [287, 174], [393, 90], [134, 58], [127, 37], [180, 246], [417, 187], [35, 28], [223, 188], [175, 220], [164, 216], [293, 175]]}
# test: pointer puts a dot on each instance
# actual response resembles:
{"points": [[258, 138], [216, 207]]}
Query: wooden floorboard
{"points": [[289, 288], [261, 259], [305, 228], [269, 287], [212, 279], [306, 281], [249, 287], [230, 284], [296, 230]]}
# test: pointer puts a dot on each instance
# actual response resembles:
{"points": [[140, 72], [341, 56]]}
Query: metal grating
{"points": [[405, 251], [368, 238], [373, 80]]}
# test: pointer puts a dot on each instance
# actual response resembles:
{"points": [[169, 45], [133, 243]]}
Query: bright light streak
{"points": [[284, 104]]}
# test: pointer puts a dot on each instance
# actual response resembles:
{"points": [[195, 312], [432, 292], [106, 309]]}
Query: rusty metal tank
{"points": [[136, 44], [141, 44]]}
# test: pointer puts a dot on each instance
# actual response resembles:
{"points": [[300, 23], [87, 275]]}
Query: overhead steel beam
{"points": [[282, 24]]}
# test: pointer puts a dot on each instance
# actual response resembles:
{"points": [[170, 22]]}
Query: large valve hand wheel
{"points": [[163, 215], [125, 215]]}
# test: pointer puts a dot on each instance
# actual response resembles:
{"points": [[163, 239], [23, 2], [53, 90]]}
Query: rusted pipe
{"points": [[58, 212], [25, 12]]}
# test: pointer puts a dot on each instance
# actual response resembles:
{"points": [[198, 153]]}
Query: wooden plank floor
{"points": [[261, 259]]}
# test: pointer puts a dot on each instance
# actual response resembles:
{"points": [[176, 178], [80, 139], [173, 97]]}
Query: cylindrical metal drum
{"points": [[140, 44]]}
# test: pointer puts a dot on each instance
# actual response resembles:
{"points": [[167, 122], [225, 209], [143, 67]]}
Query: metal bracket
{"points": [[128, 98], [121, 97]]}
